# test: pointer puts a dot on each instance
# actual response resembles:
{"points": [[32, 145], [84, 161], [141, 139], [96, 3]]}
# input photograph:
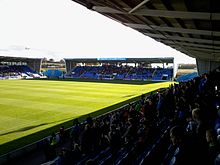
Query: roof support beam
{"points": [[139, 26], [101, 9], [177, 14], [203, 50], [203, 55], [199, 40], [138, 6], [192, 45], [173, 29], [162, 13]]}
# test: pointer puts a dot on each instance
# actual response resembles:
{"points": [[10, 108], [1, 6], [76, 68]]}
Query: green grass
{"points": [[28, 107]]}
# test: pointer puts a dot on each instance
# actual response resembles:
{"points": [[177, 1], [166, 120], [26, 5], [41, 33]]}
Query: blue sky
{"points": [[63, 29]]}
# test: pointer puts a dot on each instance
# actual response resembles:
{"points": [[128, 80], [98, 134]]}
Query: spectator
{"points": [[76, 153], [198, 116], [184, 152], [213, 145], [115, 139], [75, 132], [62, 134], [53, 140]]}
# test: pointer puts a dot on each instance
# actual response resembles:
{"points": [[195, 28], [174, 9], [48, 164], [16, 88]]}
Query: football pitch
{"points": [[30, 106]]}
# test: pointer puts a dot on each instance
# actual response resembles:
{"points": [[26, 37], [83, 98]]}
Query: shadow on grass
{"points": [[128, 96], [33, 126], [21, 142], [34, 137], [130, 82], [23, 129]]}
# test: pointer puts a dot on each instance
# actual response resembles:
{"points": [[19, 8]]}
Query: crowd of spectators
{"points": [[135, 124], [121, 72], [6, 72], [179, 125], [16, 71], [190, 109], [196, 121]]}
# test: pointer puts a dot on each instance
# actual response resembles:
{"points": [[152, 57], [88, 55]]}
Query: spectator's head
{"points": [[218, 113], [64, 151], [196, 114], [211, 136], [177, 135], [89, 120], [62, 128]]}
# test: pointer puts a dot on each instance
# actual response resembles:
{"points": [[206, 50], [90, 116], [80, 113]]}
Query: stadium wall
{"points": [[205, 66]]}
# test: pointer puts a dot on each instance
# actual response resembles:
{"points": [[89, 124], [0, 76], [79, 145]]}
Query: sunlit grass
{"points": [[29, 106]]}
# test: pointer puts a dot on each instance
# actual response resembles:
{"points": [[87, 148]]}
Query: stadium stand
{"points": [[17, 71], [137, 134], [19, 67], [53, 73], [111, 72], [121, 68], [187, 77]]}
